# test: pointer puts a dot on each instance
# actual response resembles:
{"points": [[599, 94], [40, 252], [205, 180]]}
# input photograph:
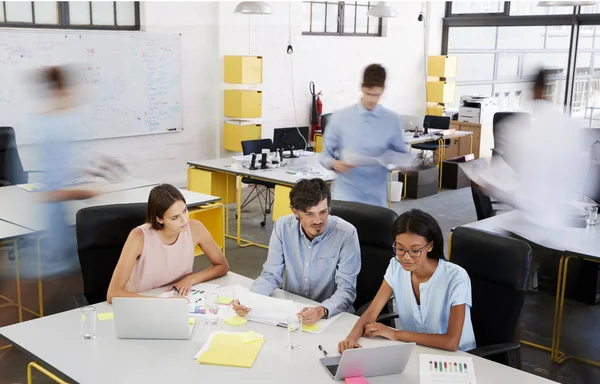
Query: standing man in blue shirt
{"points": [[312, 254], [366, 129]]}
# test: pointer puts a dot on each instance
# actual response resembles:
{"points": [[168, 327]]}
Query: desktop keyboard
{"points": [[332, 368]]}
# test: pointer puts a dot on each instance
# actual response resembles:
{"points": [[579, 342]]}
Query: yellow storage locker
{"points": [[281, 202], [442, 66], [435, 109], [236, 131], [212, 183], [243, 69], [243, 104], [440, 91], [212, 216]]}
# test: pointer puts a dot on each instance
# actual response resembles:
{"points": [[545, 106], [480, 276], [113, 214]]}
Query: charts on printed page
{"points": [[441, 369]]}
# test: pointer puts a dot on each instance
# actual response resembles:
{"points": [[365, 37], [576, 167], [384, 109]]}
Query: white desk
{"points": [[130, 196], [9, 231], [56, 341], [25, 209], [583, 243]]}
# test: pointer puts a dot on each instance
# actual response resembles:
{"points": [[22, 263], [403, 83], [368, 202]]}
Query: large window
{"points": [[114, 15], [502, 47], [339, 18]]}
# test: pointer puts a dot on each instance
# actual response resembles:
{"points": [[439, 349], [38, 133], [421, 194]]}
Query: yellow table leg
{"points": [[44, 371], [392, 173], [18, 282], [441, 155]]}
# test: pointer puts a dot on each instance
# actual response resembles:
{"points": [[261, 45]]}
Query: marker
{"points": [[445, 367], [435, 365], [465, 365], [171, 129], [430, 366], [291, 173], [441, 367], [455, 368], [460, 367], [322, 350]]}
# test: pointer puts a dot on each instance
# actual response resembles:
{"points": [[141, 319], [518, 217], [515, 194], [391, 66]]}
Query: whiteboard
{"points": [[127, 84]]}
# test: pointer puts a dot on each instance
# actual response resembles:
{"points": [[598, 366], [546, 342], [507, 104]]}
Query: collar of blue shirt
{"points": [[373, 112], [317, 239]]}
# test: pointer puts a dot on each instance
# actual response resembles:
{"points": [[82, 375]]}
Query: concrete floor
{"points": [[581, 330]]}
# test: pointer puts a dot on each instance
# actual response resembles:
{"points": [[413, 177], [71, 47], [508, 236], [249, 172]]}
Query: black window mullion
{"points": [[32, 13], [325, 17], [91, 15], [342, 13], [311, 17], [136, 10], [115, 12], [368, 7], [355, 13], [448, 8], [506, 8]]}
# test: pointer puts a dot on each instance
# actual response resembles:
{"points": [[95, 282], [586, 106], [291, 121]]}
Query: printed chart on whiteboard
{"points": [[125, 84]]}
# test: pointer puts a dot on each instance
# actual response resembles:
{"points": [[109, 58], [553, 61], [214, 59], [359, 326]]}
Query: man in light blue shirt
{"points": [[311, 254], [366, 129]]}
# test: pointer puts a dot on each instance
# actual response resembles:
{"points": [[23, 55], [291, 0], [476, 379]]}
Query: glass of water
{"points": [[88, 322], [294, 327], [592, 214], [212, 308]]}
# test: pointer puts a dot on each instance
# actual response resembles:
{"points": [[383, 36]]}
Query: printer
{"points": [[477, 109]]}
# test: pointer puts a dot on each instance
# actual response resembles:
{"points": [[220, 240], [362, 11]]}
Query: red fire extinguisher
{"points": [[316, 111]]}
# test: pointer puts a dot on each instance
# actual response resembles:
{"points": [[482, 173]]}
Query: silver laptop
{"points": [[368, 362], [152, 318]]}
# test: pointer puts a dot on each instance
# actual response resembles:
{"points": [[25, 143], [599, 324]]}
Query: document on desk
{"points": [[234, 349], [195, 297], [265, 309], [446, 369]]}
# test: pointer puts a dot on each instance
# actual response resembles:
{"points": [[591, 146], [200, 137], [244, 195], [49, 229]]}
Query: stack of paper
{"points": [[235, 349], [265, 309], [441, 369], [195, 297]]}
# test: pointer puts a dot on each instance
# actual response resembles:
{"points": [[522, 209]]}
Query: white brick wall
{"points": [[211, 30]]}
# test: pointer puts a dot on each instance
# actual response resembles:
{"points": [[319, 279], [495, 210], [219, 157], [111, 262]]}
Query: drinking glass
{"points": [[88, 322], [212, 308], [294, 327]]}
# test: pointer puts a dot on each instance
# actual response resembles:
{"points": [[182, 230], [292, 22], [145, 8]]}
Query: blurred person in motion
{"points": [[56, 126], [542, 166], [369, 130]]}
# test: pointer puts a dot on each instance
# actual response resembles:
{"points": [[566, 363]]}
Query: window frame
{"points": [[504, 19], [341, 13], [64, 20]]}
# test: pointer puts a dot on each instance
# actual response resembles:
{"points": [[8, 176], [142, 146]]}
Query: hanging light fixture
{"points": [[564, 3], [382, 10], [253, 8]]}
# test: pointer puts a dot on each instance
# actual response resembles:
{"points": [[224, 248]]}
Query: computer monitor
{"points": [[289, 138], [436, 122]]}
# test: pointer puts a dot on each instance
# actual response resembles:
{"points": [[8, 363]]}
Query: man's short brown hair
{"points": [[374, 76], [307, 193]]}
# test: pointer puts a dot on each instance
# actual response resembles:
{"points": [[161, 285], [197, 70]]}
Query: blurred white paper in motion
{"points": [[389, 159]]}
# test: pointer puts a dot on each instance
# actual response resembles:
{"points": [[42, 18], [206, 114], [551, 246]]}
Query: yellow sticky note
{"points": [[228, 349], [311, 328], [235, 320], [192, 320], [225, 300], [106, 316], [248, 337]]}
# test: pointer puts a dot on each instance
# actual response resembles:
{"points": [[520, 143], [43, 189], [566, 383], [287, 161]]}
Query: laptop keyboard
{"points": [[332, 368]]}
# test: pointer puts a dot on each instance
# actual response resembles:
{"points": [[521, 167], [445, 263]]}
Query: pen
{"points": [[176, 290], [322, 350]]}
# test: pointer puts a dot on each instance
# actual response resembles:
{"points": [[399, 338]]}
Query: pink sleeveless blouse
{"points": [[160, 263]]}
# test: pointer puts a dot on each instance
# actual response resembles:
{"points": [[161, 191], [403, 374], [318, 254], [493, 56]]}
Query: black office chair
{"points": [[325, 119], [262, 190], [504, 125], [101, 234], [483, 203], [498, 267], [374, 227], [435, 122], [11, 167]]}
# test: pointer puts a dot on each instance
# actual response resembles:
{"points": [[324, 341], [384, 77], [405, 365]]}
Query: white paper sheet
{"points": [[446, 369], [322, 324], [265, 309], [195, 297]]}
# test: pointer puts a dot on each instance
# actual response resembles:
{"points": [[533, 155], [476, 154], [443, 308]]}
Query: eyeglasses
{"points": [[414, 253]]}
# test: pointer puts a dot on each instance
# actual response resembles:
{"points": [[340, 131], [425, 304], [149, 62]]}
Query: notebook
{"points": [[234, 349]]}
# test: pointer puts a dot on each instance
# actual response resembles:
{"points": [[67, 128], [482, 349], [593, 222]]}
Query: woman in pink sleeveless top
{"points": [[161, 251]]}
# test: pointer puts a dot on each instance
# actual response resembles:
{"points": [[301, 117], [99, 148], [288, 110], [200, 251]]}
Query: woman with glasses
{"points": [[433, 296]]}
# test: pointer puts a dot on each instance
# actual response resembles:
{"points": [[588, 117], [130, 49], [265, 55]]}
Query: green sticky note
{"points": [[225, 300], [192, 320], [106, 316], [248, 337], [311, 328], [235, 320]]}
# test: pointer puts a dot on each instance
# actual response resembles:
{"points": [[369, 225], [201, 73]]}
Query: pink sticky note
{"points": [[356, 380]]}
